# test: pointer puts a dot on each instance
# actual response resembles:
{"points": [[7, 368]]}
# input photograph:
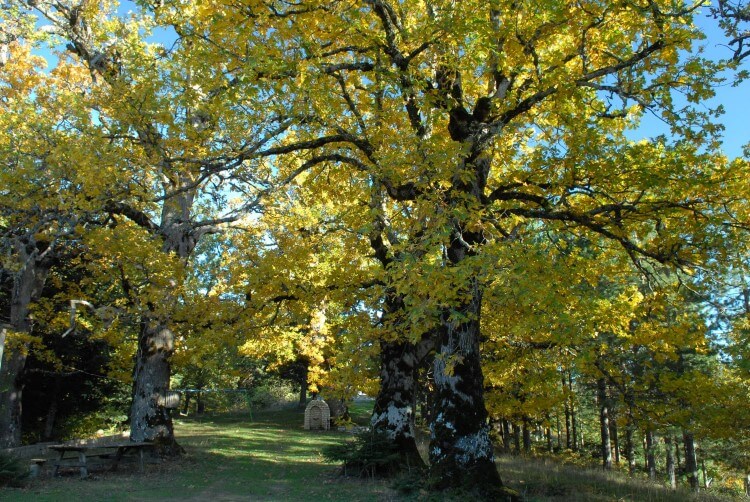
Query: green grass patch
{"points": [[229, 457], [270, 457], [544, 479]]}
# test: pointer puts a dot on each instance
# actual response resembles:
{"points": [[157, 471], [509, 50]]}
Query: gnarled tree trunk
{"points": [[149, 419], [394, 410], [461, 453], [393, 413]]}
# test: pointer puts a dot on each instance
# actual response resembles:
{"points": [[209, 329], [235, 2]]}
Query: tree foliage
{"points": [[354, 186]]}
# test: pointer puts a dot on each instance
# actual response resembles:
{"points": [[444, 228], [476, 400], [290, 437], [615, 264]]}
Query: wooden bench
{"points": [[85, 452]]}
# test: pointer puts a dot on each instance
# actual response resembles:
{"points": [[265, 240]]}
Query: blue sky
{"points": [[736, 100]]}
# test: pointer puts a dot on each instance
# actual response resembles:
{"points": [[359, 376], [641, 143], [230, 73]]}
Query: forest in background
{"points": [[439, 204]]}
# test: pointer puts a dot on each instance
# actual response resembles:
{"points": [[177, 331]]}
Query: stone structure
{"points": [[317, 415]]}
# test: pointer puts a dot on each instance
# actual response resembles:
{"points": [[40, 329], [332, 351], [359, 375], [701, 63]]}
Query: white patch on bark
{"points": [[396, 419], [474, 446], [440, 419], [441, 377]]}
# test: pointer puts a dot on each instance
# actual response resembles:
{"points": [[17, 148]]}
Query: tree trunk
{"points": [[516, 440], [303, 365], [559, 432], [149, 419], [671, 476], [506, 435], [3, 337], [392, 413], [567, 414], [49, 422], [548, 433], [629, 431], [615, 438], [691, 462], [650, 458], [747, 484], [395, 406], [27, 288], [630, 447], [526, 436], [11, 393], [338, 409], [604, 424], [573, 420], [302, 404], [186, 404], [461, 452]]}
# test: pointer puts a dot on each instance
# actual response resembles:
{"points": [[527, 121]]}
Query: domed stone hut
{"points": [[317, 415]]}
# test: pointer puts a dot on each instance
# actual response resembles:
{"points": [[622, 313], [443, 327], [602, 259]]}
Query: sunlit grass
{"points": [[229, 457], [540, 479], [270, 457]]}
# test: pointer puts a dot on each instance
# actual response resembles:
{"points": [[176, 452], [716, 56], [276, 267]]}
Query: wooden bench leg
{"points": [[84, 469], [35, 469], [57, 464], [118, 457]]}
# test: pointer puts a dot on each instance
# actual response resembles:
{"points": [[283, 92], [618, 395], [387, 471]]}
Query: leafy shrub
{"points": [[410, 482], [110, 418], [269, 392], [369, 454], [12, 470]]}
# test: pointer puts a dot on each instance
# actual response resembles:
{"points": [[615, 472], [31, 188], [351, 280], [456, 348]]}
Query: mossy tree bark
{"points": [[393, 414], [461, 452]]}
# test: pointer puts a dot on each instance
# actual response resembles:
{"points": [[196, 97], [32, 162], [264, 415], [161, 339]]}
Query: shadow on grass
{"points": [[228, 458]]}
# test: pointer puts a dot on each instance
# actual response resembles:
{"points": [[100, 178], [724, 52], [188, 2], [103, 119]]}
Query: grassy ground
{"points": [[229, 458], [270, 457], [547, 480]]}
